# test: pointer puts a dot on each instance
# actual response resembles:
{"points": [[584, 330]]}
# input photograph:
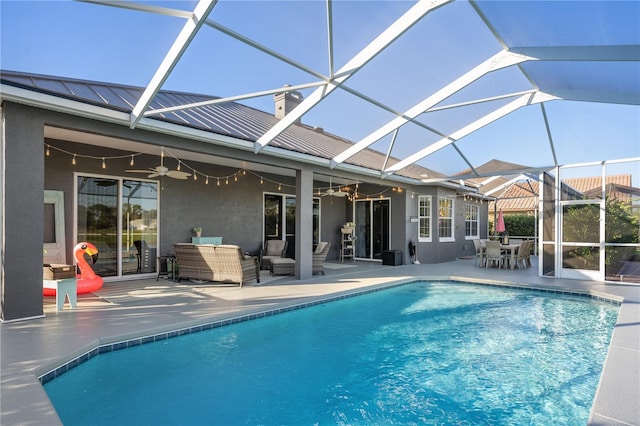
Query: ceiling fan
{"points": [[332, 192], [161, 170]]}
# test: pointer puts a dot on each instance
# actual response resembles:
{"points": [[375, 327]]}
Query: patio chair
{"points": [[319, 256], [271, 250], [479, 252], [493, 253], [523, 254], [146, 256]]}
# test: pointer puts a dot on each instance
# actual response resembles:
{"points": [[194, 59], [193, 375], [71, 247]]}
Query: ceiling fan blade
{"points": [[177, 174], [139, 171], [154, 175]]}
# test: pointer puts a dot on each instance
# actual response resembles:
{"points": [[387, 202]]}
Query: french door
{"points": [[120, 217], [280, 220], [372, 219]]}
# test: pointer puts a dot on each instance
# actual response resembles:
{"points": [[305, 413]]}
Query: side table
{"points": [[64, 288]]}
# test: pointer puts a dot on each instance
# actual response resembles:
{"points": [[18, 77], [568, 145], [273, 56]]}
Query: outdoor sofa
{"points": [[208, 262]]}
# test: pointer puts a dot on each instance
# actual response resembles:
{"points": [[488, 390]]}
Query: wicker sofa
{"points": [[225, 263]]}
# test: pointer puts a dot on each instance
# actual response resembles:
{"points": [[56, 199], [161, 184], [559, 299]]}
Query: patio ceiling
{"points": [[414, 80]]}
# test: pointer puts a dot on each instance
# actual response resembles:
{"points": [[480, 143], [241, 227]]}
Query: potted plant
{"points": [[198, 231]]}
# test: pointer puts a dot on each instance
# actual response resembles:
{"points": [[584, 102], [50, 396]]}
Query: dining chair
{"points": [[493, 253]]}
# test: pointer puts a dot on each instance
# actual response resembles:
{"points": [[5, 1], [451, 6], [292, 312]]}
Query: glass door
{"points": [[581, 247], [280, 220], [372, 219], [119, 217]]}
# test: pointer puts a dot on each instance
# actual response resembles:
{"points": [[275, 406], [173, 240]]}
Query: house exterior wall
{"points": [[233, 211]]}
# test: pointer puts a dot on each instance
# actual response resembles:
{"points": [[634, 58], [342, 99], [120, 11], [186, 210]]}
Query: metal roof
{"points": [[457, 68], [229, 118]]}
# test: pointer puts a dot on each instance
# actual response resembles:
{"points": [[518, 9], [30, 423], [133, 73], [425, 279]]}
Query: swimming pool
{"points": [[426, 353]]}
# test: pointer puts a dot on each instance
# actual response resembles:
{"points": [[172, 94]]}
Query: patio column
{"points": [[304, 224], [22, 201]]}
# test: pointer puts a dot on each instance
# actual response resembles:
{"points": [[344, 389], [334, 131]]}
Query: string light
{"points": [[279, 186], [261, 181], [104, 164], [195, 175], [227, 182], [73, 160], [131, 162], [218, 184], [206, 182], [178, 168]]}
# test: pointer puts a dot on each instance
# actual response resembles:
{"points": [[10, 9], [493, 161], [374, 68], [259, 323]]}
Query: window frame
{"points": [[450, 219], [428, 218], [467, 221]]}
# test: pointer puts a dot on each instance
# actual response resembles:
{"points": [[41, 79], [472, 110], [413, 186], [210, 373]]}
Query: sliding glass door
{"points": [[372, 219], [120, 217]]}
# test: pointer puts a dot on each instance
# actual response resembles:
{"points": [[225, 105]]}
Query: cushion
{"points": [[275, 247], [320, 247]]}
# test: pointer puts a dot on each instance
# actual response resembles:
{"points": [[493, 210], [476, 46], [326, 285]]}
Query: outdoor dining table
{"points": [[512, 248]]}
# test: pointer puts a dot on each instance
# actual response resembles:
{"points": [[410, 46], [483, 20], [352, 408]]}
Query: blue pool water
{"points": [[423, 353]]}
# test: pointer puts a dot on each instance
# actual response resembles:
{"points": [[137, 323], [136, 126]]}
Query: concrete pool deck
{"points": [[125, 310]]}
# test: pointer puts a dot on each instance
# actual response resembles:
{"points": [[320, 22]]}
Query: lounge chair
{"points": [[272, 249], [319, 256]]}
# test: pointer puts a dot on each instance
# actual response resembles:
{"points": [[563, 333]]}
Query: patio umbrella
{"points": [[500, 223]]}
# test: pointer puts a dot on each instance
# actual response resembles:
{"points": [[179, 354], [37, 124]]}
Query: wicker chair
{"points": [[319, 257], [272, 249], [208, 262]]}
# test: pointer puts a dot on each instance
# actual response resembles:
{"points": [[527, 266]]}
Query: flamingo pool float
{"points": [[87, 280]]}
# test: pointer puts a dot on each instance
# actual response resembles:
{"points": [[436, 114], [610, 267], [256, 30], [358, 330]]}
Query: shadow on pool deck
{"points": [[123, 310]]}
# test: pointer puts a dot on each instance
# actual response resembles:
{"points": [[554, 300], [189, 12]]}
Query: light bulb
{"points": [[195, 175], [227, 182], [131, 162], [235, 178], [207, 181], [279, 187], [73, 160], [104, 164], [178, 168], [218, 182], [261, 181], [47, 152]]}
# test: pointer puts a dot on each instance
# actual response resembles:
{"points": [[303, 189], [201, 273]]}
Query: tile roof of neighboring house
{"points": [[520, 197], [229, 118]]}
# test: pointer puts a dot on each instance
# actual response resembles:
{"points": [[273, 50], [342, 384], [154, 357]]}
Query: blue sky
{"points": [[88, 41]]}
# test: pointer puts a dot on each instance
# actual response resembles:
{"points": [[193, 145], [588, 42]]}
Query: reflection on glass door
{"points": [[139, 226], [372, 228], [581, 240], [117, 215]]}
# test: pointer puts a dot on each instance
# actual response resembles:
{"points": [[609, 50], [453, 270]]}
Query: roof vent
{"points": [[286, 101]]}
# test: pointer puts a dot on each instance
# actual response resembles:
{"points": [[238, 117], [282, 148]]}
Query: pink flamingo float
{"points": [[87, 280]]}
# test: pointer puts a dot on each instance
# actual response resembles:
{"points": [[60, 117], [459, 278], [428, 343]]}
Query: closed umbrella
{"points": [[500, 223]]}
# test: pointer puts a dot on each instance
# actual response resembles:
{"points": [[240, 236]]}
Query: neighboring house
{"points": [[71, 140], [522, 197]]}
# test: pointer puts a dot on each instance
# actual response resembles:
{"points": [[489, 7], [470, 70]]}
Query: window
{"points": [[424, 218], [445, 219], [471, 222]]}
